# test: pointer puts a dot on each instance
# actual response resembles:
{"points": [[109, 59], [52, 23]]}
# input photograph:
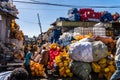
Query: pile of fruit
{"points": [[63, 62], [37, 69], [16, 33], [105, 67], [53, 52]]}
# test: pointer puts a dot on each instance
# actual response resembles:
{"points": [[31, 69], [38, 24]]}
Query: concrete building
{"points": [[6, 16]]}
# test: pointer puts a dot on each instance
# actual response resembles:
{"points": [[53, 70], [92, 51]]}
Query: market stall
{"points": [[84, 50]]}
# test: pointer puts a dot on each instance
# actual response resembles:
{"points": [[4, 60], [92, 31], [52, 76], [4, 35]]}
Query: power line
{"points": [[32, 22], [63, 5], [43, 9], [28, 22], [44, 3]]}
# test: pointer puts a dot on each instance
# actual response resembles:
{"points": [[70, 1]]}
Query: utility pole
{"points": [[39, 25]]}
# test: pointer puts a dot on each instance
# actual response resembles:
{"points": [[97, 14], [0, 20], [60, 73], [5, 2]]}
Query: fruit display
{"points": [[63, 62], [79, 37], [37, 69], [16, 33], [53, 52], [105, 67]]}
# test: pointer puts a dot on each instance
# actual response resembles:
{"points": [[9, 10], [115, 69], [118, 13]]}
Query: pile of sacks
{"points": [[88, 14], [65, 39], [81, 57], [93, 55]]}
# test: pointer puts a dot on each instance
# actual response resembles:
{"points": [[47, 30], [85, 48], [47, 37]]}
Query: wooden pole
{"points": [[39, 25]]}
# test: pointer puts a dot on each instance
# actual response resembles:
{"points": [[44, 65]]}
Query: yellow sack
{"points": [[106, 70], [111, 68], [96, 67], [103, 61]]}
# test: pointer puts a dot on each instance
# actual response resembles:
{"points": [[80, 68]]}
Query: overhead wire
{"points": [[27, 22], [30, 22], [44, 3], [64, 5], [42, 9]]}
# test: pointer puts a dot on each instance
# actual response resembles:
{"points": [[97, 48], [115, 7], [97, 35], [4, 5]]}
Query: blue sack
{"points": [[74, 17], [107, 17], [62, 19], [56, 35], [65, 41], [73, 11]]}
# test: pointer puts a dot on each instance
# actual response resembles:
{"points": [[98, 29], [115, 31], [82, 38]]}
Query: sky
{"points": [[28, 20]]}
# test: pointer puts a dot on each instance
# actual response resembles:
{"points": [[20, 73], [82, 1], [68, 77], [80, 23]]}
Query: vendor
{"points": [[28, 57]]}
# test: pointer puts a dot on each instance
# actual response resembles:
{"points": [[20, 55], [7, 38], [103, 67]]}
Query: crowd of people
{"points": [[31, 51], [36, 53]]}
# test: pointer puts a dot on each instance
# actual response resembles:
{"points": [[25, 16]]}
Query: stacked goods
{"points": [[81, 51], [106, 17], [88, 14], [99, 29], [63, 61], [115, 16], [79, 37], [65, 39], [54, 35], [20, 35], [73, 15], [13, 29], [81, 69], [12, 25], [87, 50], [37, 69], [84, 13], [99, 50], [15, 32], [53, 52], [104, 67], [107, 41]]}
